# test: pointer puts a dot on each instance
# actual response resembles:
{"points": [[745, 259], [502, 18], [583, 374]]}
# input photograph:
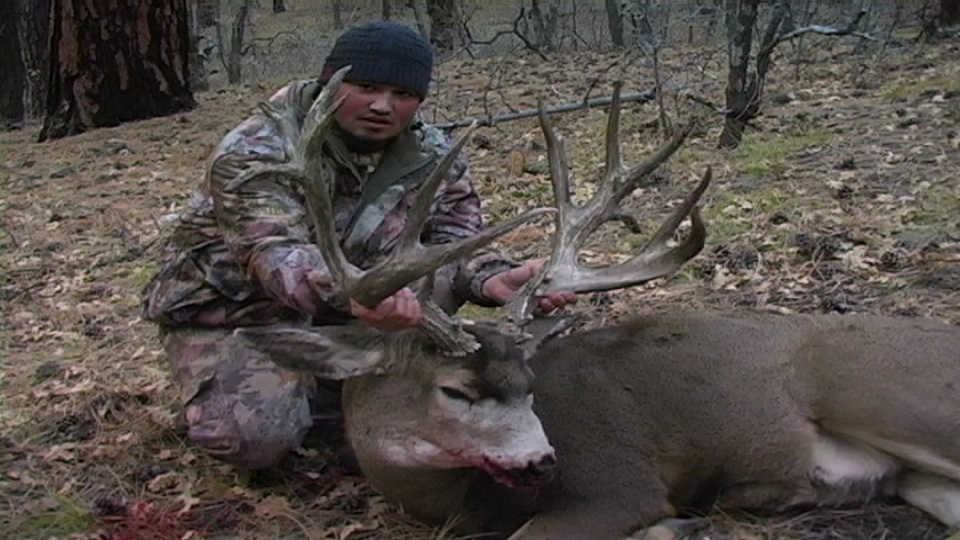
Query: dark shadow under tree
{"points": [[113, 62]]}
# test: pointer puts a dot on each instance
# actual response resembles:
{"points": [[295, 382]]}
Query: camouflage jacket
{"points": [[242, 257]]}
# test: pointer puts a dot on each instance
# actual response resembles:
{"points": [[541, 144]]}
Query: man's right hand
{"points": [[400, 311]]}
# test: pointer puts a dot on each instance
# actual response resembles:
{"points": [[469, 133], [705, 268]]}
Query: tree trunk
{"points": [[278, 6], [208, 13], [337, 14], [614, 22], [11, 65], [385, 11], [543, 29], [202, 15], [640, 13], [443, 23], [417, 16], [949, 12], [741, 18], [32, 29], [238, 32], [112, 62]]}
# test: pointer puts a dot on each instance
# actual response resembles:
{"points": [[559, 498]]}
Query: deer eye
{"points": [[457, 394]]}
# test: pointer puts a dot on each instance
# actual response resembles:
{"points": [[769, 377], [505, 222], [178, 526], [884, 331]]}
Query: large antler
{"points": [[574, 224], [409, 260]]}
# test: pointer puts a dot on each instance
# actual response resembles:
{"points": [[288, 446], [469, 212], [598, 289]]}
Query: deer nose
{"points": [[542, 467]]}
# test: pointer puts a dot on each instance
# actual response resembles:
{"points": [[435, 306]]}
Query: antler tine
{"points": [[305, 166], [614, 164], [520, 307], [631, 178], [574, 224], [421, 207], [557, 159], [656, 259], [411, 260], [320, 115]]}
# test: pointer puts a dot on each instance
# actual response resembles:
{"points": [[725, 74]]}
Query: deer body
{"points": [[666, 413], [669, 413]]}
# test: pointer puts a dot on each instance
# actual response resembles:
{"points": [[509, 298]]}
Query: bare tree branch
{"points": [[642, 97], [849, 30]]}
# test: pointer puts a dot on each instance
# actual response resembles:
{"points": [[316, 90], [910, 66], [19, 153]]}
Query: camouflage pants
{"points": [[241, 407]]}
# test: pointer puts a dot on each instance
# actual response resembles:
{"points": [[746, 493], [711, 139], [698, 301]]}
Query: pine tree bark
{"points": [[113, 62]]}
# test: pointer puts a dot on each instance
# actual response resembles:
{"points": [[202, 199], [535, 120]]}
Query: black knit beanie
{"points": [[383, 52]]}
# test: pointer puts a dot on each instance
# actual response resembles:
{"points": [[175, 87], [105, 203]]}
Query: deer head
{"points": [[454, 397]]}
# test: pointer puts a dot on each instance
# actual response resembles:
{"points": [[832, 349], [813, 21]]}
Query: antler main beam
{"points": [[410, 260], [575, 223]]}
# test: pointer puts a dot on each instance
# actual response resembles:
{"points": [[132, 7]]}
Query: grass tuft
{"points": [[766, 156]]}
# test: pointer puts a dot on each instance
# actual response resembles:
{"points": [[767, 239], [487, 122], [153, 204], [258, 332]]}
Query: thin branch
{"points": [[268, 41], [849, 30], [642, 97]]}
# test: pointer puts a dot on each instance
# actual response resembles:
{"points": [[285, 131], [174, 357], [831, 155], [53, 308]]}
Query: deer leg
{"points": [[768, 495], [932, 493], [670, 529], [585, 505]]}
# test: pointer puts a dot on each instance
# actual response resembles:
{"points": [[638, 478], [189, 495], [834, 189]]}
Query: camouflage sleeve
{"points": [[456, 216], [265, 222]]}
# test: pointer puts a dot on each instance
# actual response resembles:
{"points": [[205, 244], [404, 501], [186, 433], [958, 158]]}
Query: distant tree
{"points": [[741, 17], [33, 28], [614, 22], [11, 65], [23, 56], [208, 13], [231, 53], [542, 25], [443, 23], [385, 10], [337, 6], [949, 12], [125, 60], [203, 15], [278, 6]]}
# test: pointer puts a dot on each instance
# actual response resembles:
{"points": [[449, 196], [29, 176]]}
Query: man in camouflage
{"points": [[248, 259]]}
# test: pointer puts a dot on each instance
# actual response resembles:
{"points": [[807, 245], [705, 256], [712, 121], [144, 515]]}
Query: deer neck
{"points": [[476, 503], [428, 493]]}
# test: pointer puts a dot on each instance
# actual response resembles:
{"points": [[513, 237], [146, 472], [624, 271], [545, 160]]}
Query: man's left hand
{"points": [[503, 286]]}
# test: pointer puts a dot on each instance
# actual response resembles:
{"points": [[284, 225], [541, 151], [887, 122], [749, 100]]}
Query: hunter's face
{"points": [[374, 111]]}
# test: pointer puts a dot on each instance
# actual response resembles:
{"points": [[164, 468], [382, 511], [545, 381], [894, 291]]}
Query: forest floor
{"points": [[845, 199]]}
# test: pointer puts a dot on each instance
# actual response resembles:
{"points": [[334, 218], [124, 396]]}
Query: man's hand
{"points": [[501, 287], [397, 312]]}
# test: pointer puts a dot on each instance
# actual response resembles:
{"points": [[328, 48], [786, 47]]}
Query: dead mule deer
{"points": [[647, 419]]}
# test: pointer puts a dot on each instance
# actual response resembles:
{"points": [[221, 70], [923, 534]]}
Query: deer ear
{"points": [[329, 352]]}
